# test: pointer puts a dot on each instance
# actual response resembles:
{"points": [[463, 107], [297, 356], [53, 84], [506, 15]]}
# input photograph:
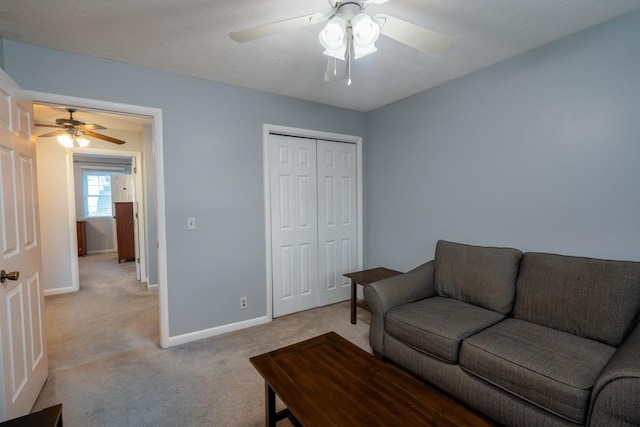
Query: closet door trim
{"points": [[268, 129]]}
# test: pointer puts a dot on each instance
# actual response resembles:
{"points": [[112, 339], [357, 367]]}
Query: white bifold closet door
{"points": [[313, 221]]}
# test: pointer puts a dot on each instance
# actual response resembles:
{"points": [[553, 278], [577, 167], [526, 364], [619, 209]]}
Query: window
{"points": [[97, 194]]}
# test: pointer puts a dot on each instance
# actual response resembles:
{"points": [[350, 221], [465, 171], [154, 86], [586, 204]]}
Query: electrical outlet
{"points": [[243, 303]]}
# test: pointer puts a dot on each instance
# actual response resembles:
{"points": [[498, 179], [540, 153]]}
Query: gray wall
{"points": [[540, 152], [213, 170], [99, 235]]}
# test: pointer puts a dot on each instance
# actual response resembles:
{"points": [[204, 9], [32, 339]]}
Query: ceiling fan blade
{"points": [[276, 27], [336, 70], [45, 125], [54, 133], [103, 137], [90, 127], [413, 35]]}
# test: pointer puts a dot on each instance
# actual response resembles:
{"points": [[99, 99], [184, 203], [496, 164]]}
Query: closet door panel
{"points": [[294, 230], [337, 219]]}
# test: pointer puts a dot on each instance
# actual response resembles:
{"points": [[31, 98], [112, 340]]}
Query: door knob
{"points": [[13, 275]]}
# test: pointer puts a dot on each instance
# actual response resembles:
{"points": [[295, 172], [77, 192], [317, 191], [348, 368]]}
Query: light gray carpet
{"points": [[106, 368]]}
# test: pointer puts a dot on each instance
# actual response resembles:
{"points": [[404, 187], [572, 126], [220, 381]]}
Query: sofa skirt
{"points": [[497, 404]]}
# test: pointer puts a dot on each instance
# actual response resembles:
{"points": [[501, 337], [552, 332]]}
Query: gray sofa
{"points": [[528, 339]]}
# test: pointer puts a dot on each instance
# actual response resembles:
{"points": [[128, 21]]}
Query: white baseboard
{"points": [[101, 251], [58, 291], [152, 287], [219, 330]]}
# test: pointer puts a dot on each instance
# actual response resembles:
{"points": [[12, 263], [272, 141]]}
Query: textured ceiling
{"points": [[191, 37]]}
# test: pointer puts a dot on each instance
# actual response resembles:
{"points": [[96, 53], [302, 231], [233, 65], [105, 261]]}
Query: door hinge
{"points": [[135, 170], [136, 215], [138, 260]]}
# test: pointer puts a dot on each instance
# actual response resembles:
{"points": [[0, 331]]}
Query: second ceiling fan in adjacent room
{"points": [[71, 131]]}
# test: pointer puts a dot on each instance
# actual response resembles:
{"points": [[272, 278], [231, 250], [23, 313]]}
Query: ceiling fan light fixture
{"points": [[361, 51], [338, 54], [72, 137], [82, 141], [65, 140], [365, 33], [365, 30], [333, 37]]}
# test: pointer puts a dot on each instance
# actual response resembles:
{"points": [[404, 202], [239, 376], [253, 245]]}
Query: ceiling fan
{"points": [[351, 33], [72, 130]]}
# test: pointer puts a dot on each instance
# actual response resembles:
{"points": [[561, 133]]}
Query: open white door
{"points": [[23, 352]]}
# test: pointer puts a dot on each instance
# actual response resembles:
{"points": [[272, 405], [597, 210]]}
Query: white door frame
{"points": [[156, 127], [305, 133]]}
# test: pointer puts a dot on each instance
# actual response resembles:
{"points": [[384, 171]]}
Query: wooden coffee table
{"points": [[328, 381], [363, 278]]}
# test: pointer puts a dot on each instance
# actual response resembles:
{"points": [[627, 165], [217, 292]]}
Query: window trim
{"points": [[85, 191]]}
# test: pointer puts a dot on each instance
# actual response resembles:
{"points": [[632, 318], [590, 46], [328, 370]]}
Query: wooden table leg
{"points": [[272, 417], [353, 301], [270, 405]]}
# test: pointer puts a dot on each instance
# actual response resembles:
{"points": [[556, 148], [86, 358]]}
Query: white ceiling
{"points": [[191, 37]]}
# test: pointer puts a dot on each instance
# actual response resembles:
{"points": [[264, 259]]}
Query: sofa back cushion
{"points": [[591, 298], [478, 275]]}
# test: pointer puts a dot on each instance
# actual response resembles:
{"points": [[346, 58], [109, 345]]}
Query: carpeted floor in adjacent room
{"points": [[107, 369]]}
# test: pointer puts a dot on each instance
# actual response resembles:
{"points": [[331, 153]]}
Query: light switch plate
{"points": [[191, 223]]}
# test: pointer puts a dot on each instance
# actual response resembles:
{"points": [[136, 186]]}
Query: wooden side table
{"points": [[363, 278]]}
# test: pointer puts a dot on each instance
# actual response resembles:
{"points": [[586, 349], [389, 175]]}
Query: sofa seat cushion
{"points": [[550, 368], [438, 325]]}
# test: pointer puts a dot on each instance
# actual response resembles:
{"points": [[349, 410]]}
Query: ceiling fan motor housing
{"points": [[70, 121], [349, 9]]}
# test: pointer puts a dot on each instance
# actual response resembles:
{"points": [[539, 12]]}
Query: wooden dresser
{"points": [[82, 239], [125, 231]]}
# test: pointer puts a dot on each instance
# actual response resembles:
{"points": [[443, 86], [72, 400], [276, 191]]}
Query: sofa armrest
{"points": [[385, 294], [614, 400]]}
